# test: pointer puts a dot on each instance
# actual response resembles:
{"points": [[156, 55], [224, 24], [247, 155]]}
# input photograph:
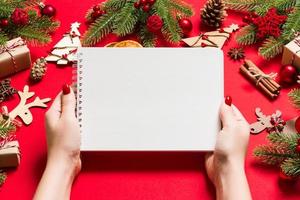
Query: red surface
{"points": [[146, 176]]}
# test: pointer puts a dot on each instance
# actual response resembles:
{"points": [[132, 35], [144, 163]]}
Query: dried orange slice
{"points": [[128, 43], [112, 44]]}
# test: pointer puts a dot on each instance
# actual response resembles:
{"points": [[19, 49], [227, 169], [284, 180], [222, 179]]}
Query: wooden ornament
{"points": [[22, 110]]}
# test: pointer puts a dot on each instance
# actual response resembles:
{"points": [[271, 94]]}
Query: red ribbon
{"points": [[11, 48]]}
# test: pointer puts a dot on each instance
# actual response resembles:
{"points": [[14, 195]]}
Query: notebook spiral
{"points": [[77, 86]]}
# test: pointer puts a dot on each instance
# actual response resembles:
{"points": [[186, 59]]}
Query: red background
{"points": [[154, 176]]}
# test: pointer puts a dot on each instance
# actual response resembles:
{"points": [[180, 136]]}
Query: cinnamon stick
{"points": [[244, 70]]}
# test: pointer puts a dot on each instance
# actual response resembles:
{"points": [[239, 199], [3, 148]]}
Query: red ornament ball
{"points": [[298, 148], [288, 75], [19, 17], [297, 125], [146, 8], [154, 23], [4, 22], [186, 25], [48, 10]]}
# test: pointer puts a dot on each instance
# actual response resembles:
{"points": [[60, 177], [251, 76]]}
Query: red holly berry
{"points": [[288, 75], [247, 19], [96, 14], [204, 37], [4, 22], [19, 17], [96, 7], [48, 10], [298, 148], [143, 2], [203, 45], [186, 25], [137, 4], [146, 8], [151, 2], [154, 23]]}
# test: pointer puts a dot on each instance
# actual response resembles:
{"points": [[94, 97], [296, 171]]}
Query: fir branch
{"points": [[3, 177], [125, 20], [246, 35], [272, 155], [262, 9], [291, 167], [45, 23], [6, 129], [99, 29], [170, 30], [181, 8], [283, 5], [147, 38], [6, 9], [290, 140], [271, 48], [33, 35], [292, 24], [3, 38], [114, 5], [241, 5], [294, 96]]}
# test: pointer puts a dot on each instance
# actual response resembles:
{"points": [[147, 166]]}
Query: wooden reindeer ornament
{"points": [[23, 110], [270, 122]]}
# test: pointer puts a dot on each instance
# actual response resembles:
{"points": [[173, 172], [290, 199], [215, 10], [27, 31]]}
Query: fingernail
{"points": [[228, 100], [66, 89]]}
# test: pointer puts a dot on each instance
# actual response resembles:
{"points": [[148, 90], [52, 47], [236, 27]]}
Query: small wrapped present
{"points": [[291, 53], [14, 57], [10, 155]]}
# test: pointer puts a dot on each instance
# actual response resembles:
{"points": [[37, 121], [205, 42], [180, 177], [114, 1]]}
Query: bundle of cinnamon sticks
{"points": [[264, 82]]}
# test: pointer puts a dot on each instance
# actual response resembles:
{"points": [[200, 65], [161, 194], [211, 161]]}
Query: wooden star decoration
{"points": [[6, 90], [269, 25]]}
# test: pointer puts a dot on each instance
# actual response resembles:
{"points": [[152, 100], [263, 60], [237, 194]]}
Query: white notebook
{"points": [[149, 99]]}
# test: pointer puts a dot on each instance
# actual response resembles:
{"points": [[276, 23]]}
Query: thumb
{"points": [[68, 101]]}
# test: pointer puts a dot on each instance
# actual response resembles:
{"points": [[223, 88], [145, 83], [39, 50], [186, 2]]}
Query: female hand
{"points": [[225, 166], [63, 140]]}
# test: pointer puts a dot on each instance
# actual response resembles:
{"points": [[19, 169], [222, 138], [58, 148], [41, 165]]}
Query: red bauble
{"points": [[48, 10], [19, 17], [186, 25], [298, 148], [146, 8], [297, 125], [288, 75], [154, 23], [4, 22]]}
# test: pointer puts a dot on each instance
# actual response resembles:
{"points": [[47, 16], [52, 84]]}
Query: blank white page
{"points": [[149, 99]]}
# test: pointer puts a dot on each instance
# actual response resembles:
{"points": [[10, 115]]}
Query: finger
{"points": [[227, 115], [54, 111], [238, 115], [68, 101]]}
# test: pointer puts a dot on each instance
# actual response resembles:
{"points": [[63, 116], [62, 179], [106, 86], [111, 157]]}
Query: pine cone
{"points": [[213, 13], [38, 69]]}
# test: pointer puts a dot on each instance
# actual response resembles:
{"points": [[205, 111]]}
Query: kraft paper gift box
{"points": [[14, 57], [10, 155], [291, 53]]}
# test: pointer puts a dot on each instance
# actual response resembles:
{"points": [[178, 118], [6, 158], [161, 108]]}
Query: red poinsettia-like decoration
{"points": [[269, 25]]}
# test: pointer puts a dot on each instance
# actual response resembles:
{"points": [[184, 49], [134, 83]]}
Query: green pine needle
{"points": [[33, 35], [148, 39], [291, 167], [283, 5], [6, 129], [126, 20], [114, 5], [3, 38], [294, 96], [181, 8], [99, 29], [247, 35], [241, 5], [292, 24], [290, 140], [3, 177], [271, 48]]}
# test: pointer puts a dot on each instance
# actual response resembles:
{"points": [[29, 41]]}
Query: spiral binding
{"points": [[77, 86]]}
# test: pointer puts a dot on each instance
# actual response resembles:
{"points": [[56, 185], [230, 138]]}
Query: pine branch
{"points": [[181, 8], [271, 48], [6, 129], [114, 5], [33, 35], [246, 35], [125, 20], [290, 140], [283, 5], [241, 5], [3, 177], [3, 38], [291, 166], [272, 155], [294, 96], [171, 30], [262, 9], [6, 9], [292, 24], [99, 29], [44, 23], [148, 39]]}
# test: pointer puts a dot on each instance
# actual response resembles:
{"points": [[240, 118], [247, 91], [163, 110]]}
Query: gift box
{"points": [[291, 53], [10, 155], [14, 57]]}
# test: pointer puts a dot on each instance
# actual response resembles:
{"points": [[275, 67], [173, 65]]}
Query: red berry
{"points": [[96, 14], [203, 45], [151, 2], [204, 37], [4, 22], [186, 25], [228, 100], [143, 2], [96, 7], [298, 148], [137, 4], [146, 8]]}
